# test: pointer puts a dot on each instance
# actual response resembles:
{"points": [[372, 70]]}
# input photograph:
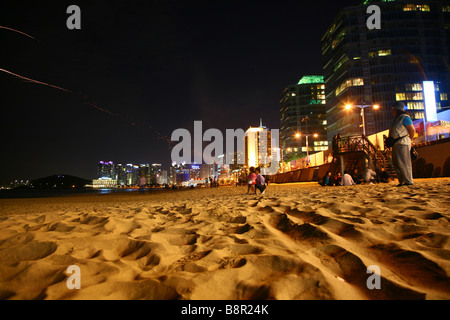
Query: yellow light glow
{"points": [[376, 106], [348, 107], [297, 135]]}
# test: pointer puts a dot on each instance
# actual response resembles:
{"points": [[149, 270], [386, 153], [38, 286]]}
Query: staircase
{"points": [[354, 149]]}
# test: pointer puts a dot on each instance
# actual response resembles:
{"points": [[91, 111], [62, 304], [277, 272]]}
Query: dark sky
{"points": [[158, 64]]}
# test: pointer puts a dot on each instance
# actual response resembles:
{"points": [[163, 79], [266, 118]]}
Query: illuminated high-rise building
{"points": [[382, 66], [121, 175], [155, 169], [258, 149], [106, 169], [302, 108]]}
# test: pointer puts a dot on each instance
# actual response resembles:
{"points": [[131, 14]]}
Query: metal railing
{"points": [[360, 144]]}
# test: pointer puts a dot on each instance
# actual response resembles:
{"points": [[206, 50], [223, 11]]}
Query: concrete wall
{"points": [[434, 160]]}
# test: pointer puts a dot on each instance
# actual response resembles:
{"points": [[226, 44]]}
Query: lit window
{"points": [[383, 53], [413, 87], [410, 7], [417, 7], [349, 83], [445, 8], [415, 106], [443, 96], [358, 82], [423, 7], [418, 115], [400, 96], [414, 96], [417, 96]]}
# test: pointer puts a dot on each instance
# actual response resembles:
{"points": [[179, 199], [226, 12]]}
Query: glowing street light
{"points": [[298, 135], [362, 107]]}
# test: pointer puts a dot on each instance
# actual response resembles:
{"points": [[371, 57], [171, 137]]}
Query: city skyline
{"points": [[139, 70]]}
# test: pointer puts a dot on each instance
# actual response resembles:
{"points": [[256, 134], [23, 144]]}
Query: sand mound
{"points": [[298, 241]]}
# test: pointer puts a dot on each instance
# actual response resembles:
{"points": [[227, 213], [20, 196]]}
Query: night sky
{"points": [[137, 70]]}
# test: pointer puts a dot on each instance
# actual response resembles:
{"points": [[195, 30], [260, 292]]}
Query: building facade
{"points": [[302, 108], [258, 149], [365, 67], [106, 169]]}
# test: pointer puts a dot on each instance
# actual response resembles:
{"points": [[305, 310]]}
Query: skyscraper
{"points": [[106, 169], [258, 149], [381, 66], [302, 108]]}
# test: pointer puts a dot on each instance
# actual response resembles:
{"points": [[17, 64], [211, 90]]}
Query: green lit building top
{"points": [[311, 79]]}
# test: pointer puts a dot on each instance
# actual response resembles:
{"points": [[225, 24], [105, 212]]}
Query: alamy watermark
{"points": [[374, 280], [74, 20], [74, 280], [374, 21]]}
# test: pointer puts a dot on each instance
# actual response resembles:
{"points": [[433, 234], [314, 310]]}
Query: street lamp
{"points": [[298, 135], [362, 107]]}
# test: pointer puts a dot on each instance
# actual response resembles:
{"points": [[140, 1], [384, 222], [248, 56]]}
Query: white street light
{"points": [[362, 107]]}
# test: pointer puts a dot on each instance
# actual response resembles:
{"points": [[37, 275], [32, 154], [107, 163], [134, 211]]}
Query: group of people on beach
{"points": [[211, 182], [380, 175]]}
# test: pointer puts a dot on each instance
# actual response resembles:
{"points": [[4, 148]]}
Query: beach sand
{"points": [[297, 241]]}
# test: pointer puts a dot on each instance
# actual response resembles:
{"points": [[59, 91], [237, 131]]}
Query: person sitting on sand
{"points": [[357, 178], [337, 179], [383, 176], [347, 180], [260, 182], [327, 180], [369, 176], [251, 181]]}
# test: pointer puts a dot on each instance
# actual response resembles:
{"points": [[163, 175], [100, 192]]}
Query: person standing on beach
{"points": [[142, 183], [402, 128], [251, 181]]}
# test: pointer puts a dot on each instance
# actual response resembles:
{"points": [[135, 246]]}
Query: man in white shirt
{"points": [[347, 180]]}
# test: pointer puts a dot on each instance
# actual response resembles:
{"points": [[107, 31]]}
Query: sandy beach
{"points": [[297, 241]]}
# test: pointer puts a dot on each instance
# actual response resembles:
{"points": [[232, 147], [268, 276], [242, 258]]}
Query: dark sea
{"points": [[44, 193]]}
